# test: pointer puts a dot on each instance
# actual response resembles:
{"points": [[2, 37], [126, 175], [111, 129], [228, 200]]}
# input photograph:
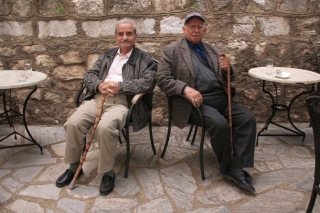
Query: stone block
{"points": [[24, 206], [22, 8], [57, 29], [171, 25], [293, 7], [49, 191], [34, 49], [45, 61], [228, 5], [7, 51], [66, 73], [70, 205], [243, 29], [221, 194], [274, 26], [114, 204], [156, 205], [179, 184], [91, 59], [14, 28], [51, 8], [134, 6], [89, 7], [170, 5], [71, 57], [260, 6], [99, 28]]}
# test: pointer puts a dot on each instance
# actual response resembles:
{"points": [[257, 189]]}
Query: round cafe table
{"points": [[9, 81], [290, 76]]}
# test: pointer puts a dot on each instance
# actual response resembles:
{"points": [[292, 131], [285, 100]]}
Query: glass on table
{"points": [[269, 66], [21, 75], [28, 67]]}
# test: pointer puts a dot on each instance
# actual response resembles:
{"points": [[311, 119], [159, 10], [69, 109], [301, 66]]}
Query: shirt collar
{"points": [[126, 55], [191, 45]]}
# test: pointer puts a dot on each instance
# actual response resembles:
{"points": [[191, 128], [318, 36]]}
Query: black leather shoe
{"points": [[247, 176], [66, 178], [107, 184], [240, 181]]}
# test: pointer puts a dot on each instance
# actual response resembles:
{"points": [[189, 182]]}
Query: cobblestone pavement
{"points": [[282, 176]]}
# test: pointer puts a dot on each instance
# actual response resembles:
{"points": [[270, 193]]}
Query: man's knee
{"points": [[109, 127]]}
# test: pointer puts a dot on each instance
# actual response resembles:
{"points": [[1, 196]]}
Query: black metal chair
{"points": [[313, 104], [170, 97]]}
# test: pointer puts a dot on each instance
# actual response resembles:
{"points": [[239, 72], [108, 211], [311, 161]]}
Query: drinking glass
{"points": [[21, 75], [269, 66], [28, 67]]}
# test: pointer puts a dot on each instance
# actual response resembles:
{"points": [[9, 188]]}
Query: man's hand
{"points": [[223, 61], [109, 88], [194, 95]]}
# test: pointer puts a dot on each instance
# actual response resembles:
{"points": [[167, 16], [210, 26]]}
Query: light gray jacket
{"points": [[138, 76]]}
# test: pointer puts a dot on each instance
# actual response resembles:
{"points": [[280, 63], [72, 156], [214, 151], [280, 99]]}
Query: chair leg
{"points": [[190, 131], [119, 138], [201, 153], [194, 135], [128, 151], [167, 140], [151, 136], [313, 197]]}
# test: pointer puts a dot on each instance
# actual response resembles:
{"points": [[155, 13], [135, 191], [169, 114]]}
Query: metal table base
{"points": [[10, 114], [295, 131]]}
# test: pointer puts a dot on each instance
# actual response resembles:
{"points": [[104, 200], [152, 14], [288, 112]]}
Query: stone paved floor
{"points": [[282, 176]]}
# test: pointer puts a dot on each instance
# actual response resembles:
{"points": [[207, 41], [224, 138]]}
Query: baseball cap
{"points": [[191, 15]]}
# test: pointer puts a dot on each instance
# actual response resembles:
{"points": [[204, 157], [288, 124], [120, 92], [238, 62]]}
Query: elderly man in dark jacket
{"points": [[118, 74], [198, 70]]}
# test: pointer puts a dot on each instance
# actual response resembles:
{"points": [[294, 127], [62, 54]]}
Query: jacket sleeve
{"points": [[167, 78], [92, 77], [139, 78]]}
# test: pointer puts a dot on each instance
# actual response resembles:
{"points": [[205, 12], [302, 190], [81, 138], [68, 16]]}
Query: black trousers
{"points": [[215, 113]]}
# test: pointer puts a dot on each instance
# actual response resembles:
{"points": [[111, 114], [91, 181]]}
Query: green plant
{"points": [[194, 5], [60, 8]]}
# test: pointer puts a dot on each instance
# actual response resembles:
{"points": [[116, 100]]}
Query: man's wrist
{"points": [[182, 91]]}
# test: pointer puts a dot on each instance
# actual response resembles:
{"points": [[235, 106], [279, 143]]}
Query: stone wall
{"points": [[64, 38]]}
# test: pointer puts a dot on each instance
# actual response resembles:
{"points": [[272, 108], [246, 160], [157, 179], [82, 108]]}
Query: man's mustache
{"points": [[123, 41]]}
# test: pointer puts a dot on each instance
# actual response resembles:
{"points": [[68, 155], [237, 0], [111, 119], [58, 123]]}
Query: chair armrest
{"points": [[183, 96], [138, 96], [313, 98]]}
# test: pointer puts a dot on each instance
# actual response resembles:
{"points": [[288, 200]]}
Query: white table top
{"points": [[298, 76], [8, 79]]}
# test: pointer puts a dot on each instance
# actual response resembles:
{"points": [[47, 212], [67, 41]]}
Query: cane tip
{"points": [[71, 185]]}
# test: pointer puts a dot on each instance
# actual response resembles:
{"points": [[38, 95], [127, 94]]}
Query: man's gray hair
{"points": [[126, 21]]}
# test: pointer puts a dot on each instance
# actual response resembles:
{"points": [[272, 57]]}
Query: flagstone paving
{"points": [[282, 175]]}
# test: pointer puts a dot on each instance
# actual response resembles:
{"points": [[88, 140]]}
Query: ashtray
{"points": [[280, 74]]}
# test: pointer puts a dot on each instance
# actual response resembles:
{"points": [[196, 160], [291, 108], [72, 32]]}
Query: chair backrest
{"points": [[79, 95], [313, 104]]}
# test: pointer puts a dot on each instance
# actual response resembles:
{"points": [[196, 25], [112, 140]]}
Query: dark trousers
{"points": [[215, 113]]}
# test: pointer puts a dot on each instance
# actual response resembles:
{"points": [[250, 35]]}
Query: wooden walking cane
{"points": [[84, 154], [229, 104]]}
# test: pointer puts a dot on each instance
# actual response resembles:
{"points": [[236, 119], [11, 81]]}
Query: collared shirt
{"points": [[115, 72], [198, 48]]}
